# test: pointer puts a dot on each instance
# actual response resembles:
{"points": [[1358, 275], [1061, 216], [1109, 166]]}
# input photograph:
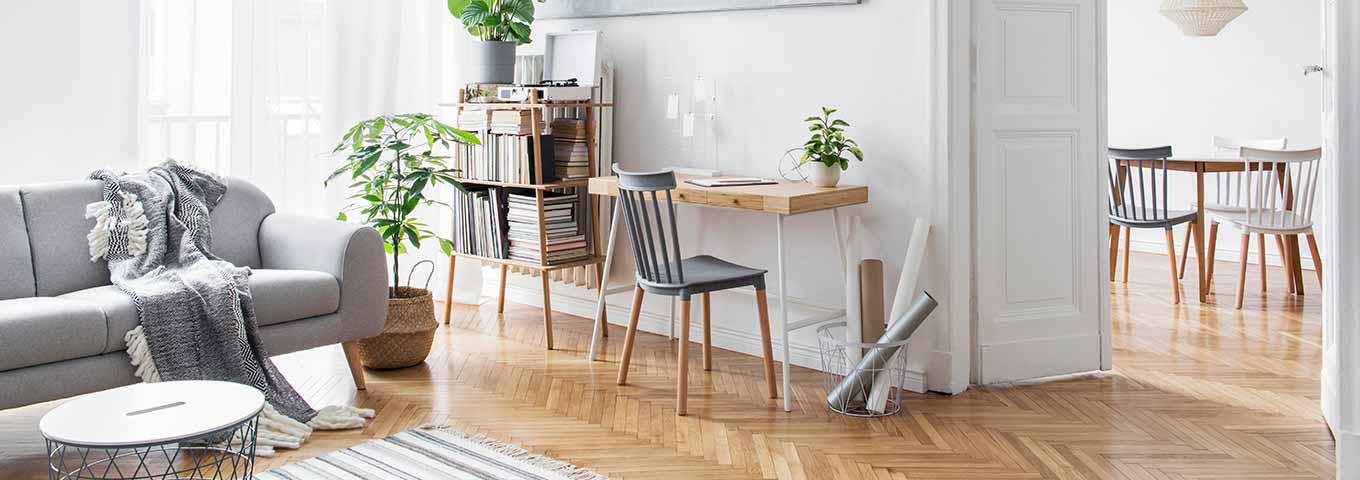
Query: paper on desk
{"points": [[688, 129]]}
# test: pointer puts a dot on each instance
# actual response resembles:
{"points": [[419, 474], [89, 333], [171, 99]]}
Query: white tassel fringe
{"points": [[550, 465], [275, 429], [133, 224]]}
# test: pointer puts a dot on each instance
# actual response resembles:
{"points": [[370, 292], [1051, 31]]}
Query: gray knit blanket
{"points": [[195, 309]]}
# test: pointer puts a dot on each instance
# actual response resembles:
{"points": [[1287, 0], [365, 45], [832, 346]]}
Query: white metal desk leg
{"points": [[783, 313], [596, 334], [670, 334]]}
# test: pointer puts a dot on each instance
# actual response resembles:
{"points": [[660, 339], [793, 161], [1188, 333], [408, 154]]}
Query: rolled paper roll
{"points": [[857, 382]]}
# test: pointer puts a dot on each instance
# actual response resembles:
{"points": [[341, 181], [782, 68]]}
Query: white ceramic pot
{"points": [[824, 176]]}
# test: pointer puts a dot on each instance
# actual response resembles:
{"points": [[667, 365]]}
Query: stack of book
{"points": [[570, 150], [474, 120], [506, 153], [479, 218], [512, 122], [561, 228]]}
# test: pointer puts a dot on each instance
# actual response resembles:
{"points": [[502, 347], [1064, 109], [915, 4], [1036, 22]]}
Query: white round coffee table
{"points": [[191, 429]]}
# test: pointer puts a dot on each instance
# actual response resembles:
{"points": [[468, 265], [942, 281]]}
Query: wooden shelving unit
{"points": [[539, 112]]}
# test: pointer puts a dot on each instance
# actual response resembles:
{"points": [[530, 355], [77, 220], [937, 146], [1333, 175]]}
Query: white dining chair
{"points": [[1273, 195], [1224, 183]]}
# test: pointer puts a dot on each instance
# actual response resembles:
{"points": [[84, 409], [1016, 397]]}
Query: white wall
{"points": [[773, 68], [1247, 82], [68, 95]]}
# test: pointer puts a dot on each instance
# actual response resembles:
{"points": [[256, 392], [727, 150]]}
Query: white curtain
{"points": [[261, 89]]}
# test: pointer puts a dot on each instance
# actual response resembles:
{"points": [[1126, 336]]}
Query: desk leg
{"points": [[1199, 233], [604, 284], [783, 313], [670, 334]]}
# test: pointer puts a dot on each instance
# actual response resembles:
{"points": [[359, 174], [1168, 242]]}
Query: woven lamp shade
{"points": [[1202, 18]]}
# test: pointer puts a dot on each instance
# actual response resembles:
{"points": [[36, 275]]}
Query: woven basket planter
{"points": [[408, 334]]}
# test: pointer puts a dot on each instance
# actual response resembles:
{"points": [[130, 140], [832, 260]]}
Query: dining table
{"points": [[1205, 165]]}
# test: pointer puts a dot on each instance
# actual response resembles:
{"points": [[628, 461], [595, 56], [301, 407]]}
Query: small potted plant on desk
{"points": [[827, 149], [499, 26], [391, 163]]}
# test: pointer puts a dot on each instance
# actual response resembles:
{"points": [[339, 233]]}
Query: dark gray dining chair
{"points": [[650, 216], [1138, 199]]}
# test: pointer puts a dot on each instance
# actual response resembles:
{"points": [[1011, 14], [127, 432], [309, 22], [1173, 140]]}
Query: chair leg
{"points": [[1242, 271], [708, 338], [356, 367], [500, 302], [1171, 252], [547, 309], [630, 336], [1128, 232], [1209, 269], [1261, 258], [1284, 259], [1185, 250], [765, 349], [448, 290], [1317, 258], [682, 379], [1114, 249]]}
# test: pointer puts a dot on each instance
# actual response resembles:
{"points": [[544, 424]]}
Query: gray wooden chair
{"points": [[661, 271], [1138, 199]]}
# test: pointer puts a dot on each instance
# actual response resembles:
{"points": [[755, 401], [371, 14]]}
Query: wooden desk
{"points": [[781, 200], [1200, 166]]}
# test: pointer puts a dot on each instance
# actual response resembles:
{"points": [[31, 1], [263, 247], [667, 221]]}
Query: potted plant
{"points": [[392, 164], [499, 26], [827, 148]]}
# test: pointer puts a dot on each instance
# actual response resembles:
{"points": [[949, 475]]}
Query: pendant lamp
{"points": [[1202, 18]]}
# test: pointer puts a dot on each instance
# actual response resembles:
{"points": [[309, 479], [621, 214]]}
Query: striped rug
{"points": [[431, 453]]}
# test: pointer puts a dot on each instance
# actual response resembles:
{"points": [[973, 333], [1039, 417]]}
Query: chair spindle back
{"points": [[1225, 183], [1277, 187], [1138, 183], [650, 218]]}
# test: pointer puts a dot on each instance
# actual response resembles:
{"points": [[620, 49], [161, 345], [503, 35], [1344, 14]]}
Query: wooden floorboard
{"points": [[1197, 392]]}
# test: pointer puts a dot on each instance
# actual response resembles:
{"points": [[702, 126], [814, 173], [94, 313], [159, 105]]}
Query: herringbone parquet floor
{"points": [[1198, 392]]}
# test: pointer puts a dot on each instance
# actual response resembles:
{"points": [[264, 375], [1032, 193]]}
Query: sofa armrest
{"points": [[352, 253]]}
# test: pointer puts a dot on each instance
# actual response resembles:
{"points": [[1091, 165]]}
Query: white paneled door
{"points": [[1039, 195]]}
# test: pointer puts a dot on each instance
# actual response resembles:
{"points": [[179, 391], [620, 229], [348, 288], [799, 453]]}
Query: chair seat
{"points": [[1136, 218], [1276, 221], [705, 274]]}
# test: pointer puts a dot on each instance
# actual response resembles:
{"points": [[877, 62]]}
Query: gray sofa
{"points": [[315, 282]]}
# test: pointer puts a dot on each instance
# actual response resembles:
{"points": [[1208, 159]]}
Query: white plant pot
{"points": [[824, 176]]}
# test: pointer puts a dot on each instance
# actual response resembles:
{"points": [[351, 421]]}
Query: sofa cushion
{"points": [[281, 296], [39, 330], [287, 295], [17, 281], [55, 215]]}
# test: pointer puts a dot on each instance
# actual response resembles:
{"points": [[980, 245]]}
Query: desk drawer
{"points": [[733, 200], [691, 196]]}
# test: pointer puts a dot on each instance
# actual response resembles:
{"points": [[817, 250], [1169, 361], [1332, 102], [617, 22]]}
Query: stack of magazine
{"points": [[562, 228], [479, 214], [569, 148]]}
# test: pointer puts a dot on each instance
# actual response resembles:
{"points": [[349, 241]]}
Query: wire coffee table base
{"points": [[228, 453]]}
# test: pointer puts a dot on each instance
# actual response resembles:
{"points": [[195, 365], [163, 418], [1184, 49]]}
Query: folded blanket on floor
{"points": [[197, 318]]}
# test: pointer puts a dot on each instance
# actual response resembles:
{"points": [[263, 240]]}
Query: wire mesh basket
{"points": [[849, 381]]}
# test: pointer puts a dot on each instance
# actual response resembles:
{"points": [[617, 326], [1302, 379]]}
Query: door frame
{"points": [[953, 146]]}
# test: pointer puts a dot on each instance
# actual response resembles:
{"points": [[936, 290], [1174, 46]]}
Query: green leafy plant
{"points": [[392, 163], [496, 20], [828, 144]]}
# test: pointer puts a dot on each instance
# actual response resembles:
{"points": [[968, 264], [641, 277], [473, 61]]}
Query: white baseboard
{"points": [[581, 302]]}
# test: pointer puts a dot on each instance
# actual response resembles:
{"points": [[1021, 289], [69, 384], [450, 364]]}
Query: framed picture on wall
{"points": [[619, 8]]}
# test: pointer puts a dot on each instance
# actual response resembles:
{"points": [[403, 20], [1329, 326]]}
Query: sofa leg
{"points": [[356, 368]]}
